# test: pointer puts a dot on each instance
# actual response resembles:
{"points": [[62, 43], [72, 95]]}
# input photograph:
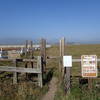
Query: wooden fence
{"points": [[66, 71], [29, 51], [15, 69], [41, 64]]}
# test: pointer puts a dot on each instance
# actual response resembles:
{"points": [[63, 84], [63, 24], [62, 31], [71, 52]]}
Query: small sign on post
{"points": [[89, 65], [67, 61]]}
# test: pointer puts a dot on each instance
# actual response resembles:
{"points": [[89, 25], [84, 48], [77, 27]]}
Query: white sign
{"points": [[67, 61], [89, 65]]}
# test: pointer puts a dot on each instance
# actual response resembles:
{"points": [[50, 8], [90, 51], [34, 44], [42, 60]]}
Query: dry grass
{"points": [[35, 93]]}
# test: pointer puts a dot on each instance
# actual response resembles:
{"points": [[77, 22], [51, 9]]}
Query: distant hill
{"points": [[14, 41]]}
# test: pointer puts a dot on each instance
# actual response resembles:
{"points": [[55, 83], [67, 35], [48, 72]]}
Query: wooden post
{"points": [[90, 87], [31, 52], [26, 47], [90, 81], [66, 71], [31, 47], [67, 80], [63, 53], [43, 53], [60, 60], [40, 75], [15, 73], [62, 47]]}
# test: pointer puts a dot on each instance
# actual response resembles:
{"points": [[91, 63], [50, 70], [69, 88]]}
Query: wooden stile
{"points": [[38, 70]]}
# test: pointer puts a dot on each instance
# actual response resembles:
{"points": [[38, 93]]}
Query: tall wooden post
{"points": [[66, 71], [43, 53], [60, 60], [62, 52], [15, 73], [31, 52], [26, 47], [40, 75]]}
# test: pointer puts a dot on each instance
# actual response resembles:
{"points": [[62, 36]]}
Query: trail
{"points": [[52, 89]]}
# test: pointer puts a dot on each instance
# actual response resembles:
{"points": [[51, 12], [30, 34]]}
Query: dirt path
{"points": [[52, 89]]}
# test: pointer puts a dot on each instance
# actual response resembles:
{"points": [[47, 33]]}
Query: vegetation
{"points": [[78, 91], [27, 90]]}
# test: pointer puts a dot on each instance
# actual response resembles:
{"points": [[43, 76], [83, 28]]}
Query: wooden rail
{"points": [[79, 60], [20, 60], [48, 57], [73, 60], [19, 69]]}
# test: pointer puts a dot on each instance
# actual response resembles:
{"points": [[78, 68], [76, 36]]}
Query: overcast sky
{"points": [[77, 20]]}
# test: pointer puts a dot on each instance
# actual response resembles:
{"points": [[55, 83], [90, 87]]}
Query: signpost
{"points": [[67, 63], [89, 65], [89, 68]]}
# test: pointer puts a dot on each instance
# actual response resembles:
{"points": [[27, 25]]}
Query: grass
{"points": [[76, 92], [28, 91], [23, 91]]}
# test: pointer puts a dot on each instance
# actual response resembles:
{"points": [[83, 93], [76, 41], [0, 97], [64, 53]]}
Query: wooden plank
{"points": [[20, 69], [53, 57], [40, 75], [20, 60], [29, 60], [6, 59], [76, 60], [79, 60]]}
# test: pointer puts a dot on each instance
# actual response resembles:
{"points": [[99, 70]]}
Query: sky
{"points": [[76, 20]]}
